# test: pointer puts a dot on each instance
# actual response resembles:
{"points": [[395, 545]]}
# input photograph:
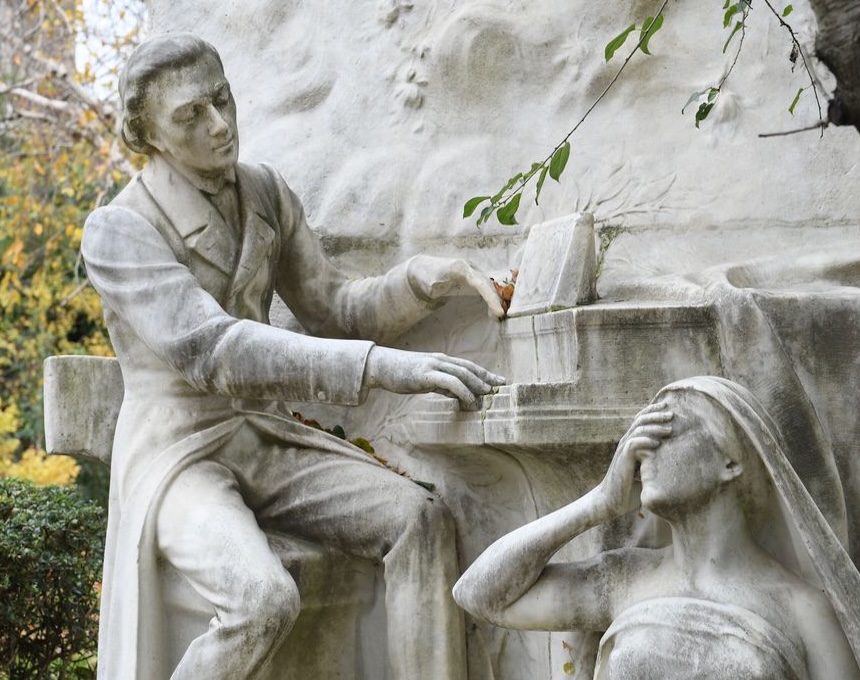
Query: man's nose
{"points": [[217, 123]]}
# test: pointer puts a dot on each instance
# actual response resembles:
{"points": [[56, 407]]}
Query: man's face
{"points": [[191, 118]]}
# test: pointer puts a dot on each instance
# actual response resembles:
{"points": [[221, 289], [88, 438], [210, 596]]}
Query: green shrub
{"points": [[51, 547]]}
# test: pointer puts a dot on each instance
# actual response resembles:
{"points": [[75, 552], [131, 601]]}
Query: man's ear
{"points": [[150, 138], [731, 470]]}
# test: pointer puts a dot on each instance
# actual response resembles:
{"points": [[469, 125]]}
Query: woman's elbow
{"points": [[479, 600], [463, 594]]}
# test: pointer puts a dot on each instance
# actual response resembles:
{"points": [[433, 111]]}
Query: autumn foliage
{"points": [[45, 305], [59, 158]]}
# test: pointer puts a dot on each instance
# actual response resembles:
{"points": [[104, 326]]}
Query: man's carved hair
{"points": [[161, 53]]}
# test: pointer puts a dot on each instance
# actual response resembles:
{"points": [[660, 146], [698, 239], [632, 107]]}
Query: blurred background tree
{"points": [[60, 157]]}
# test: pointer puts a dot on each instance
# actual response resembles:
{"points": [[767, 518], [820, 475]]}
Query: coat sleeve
{"points": [[154, 303], [327, 302]]}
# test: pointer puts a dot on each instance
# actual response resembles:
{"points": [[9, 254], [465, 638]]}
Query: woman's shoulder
{"points": [[828, 653]]}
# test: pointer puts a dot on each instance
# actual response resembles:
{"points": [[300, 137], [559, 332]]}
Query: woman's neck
{"points": [[711, 539]]}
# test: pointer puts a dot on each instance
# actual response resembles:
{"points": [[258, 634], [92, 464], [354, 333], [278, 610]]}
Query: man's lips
{"points": [[225, 145]]}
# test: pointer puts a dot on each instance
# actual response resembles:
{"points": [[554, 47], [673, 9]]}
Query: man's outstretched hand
{"points": [[435, 278], [406, 372]]}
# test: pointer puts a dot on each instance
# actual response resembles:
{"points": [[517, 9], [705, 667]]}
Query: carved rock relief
{"points": [[385, 117]]}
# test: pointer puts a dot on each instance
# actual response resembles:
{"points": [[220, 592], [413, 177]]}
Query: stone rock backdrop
{"points": [[386, 116]]}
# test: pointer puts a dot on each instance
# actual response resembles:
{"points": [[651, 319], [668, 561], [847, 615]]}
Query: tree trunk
{"points": [[838, 47]]}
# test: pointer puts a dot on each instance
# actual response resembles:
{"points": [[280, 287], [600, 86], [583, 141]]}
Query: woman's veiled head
{"points": [[782, 516], [707, 455]]}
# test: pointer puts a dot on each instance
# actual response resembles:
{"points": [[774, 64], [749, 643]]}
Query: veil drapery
{"points": [[809, 547]]}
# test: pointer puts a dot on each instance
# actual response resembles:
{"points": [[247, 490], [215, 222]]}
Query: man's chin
{"points": [[226, 159], [222, 166]]}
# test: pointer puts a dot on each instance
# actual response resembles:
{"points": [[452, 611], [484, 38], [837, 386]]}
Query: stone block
{"points": [[583, 375], [558, 267], [82, 399]]}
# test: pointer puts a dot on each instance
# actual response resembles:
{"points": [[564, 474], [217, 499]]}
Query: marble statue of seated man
{"points": [[753, 585], [186, 260]]}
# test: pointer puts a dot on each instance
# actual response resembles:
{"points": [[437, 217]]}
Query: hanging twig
{"points": [[813, 80], [821, 124], [511, 193]]}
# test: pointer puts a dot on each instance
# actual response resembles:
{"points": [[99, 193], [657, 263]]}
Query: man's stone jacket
{"points": [[186, 299]]}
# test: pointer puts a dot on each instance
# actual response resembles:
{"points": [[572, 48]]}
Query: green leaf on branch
{"points": [[703, 112], [649, 28], [706, 106], [540, 182], [738, 27], [795, 100], [559, 161], [508, 186], [613, 45], [535, 167], [507, 214], [731, 10], [696, 96], [472, 204], [788, 10], [486, 214]]}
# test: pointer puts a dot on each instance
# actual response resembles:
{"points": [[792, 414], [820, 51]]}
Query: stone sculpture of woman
{"points": [[753, 585]]}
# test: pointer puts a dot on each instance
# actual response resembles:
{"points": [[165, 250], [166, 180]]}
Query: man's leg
{"points": [[366, 510], [209, 535]]}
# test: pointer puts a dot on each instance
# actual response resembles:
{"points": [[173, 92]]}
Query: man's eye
{"points": [[222, 98], [187, 115]]}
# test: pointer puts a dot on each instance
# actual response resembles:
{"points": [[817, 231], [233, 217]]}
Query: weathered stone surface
{"points": [[205, 462], [82, 399], [387, 116]]}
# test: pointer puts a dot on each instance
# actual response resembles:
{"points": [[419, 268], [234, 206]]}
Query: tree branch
{"points": [[821, 124], [813, 80], [39, 100]]}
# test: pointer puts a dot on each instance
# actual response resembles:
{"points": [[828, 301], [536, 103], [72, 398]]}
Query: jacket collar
{"points": [[185, 206], [203, 228]]}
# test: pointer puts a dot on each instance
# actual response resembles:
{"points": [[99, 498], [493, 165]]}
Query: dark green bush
{"points": [[51, 547]]}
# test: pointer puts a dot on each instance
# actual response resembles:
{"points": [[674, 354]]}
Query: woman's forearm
{"points": [[511, 565]]}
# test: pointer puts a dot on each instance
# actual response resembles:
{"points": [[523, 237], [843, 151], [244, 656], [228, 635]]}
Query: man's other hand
{"points": [[435, 278]]}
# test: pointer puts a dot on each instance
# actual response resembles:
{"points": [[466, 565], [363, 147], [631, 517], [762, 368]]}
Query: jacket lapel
{"points": [[193, 216], [254, 267]]}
